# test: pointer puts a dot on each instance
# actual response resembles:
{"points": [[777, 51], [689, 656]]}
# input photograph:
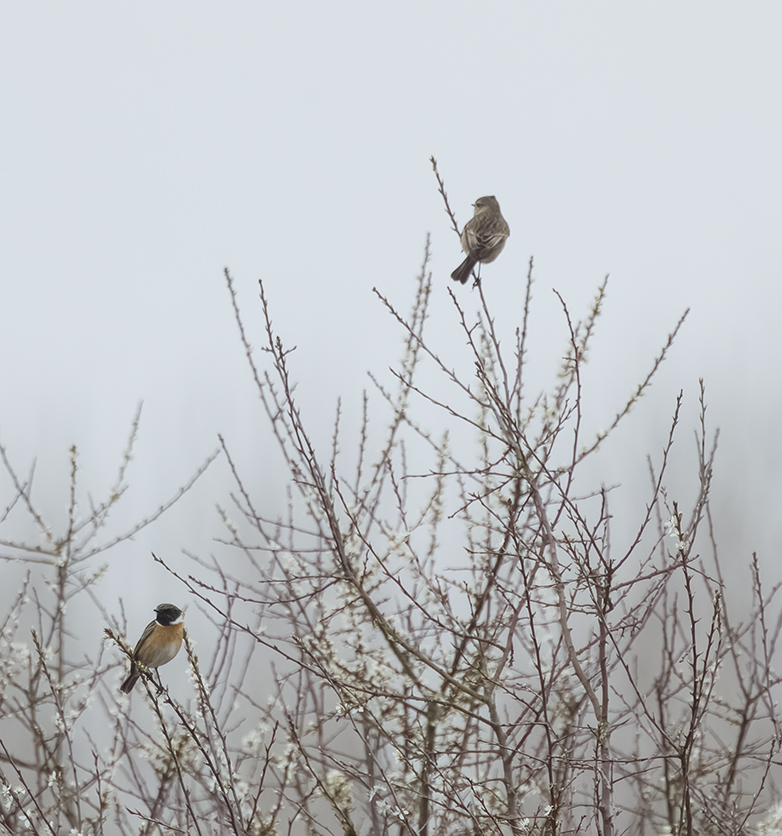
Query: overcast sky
{"points": [[147, 146]]}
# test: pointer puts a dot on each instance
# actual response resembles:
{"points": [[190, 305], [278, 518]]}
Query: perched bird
{"points": [[159, 643], [483, 237]]}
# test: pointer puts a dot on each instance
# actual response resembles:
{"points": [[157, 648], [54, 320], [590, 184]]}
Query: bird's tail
{"points": [[462, 272], [127, 685]]}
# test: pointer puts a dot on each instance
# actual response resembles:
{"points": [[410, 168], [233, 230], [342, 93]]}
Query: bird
{"points": [[158, 645], [483, 237]]}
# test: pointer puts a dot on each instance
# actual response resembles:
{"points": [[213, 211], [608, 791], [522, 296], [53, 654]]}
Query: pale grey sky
{"points": [[147, 146]]}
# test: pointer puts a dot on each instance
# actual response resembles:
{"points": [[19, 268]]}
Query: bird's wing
{"points": [[477, 241], [469, 238], [492, 240], [144, 636]]}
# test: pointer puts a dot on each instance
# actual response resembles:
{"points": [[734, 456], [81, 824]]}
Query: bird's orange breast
{"points": [[161, 646]]}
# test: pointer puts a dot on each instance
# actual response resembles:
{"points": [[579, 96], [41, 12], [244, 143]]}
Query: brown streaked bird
{"points": [[483, 237], [158, 645]]}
